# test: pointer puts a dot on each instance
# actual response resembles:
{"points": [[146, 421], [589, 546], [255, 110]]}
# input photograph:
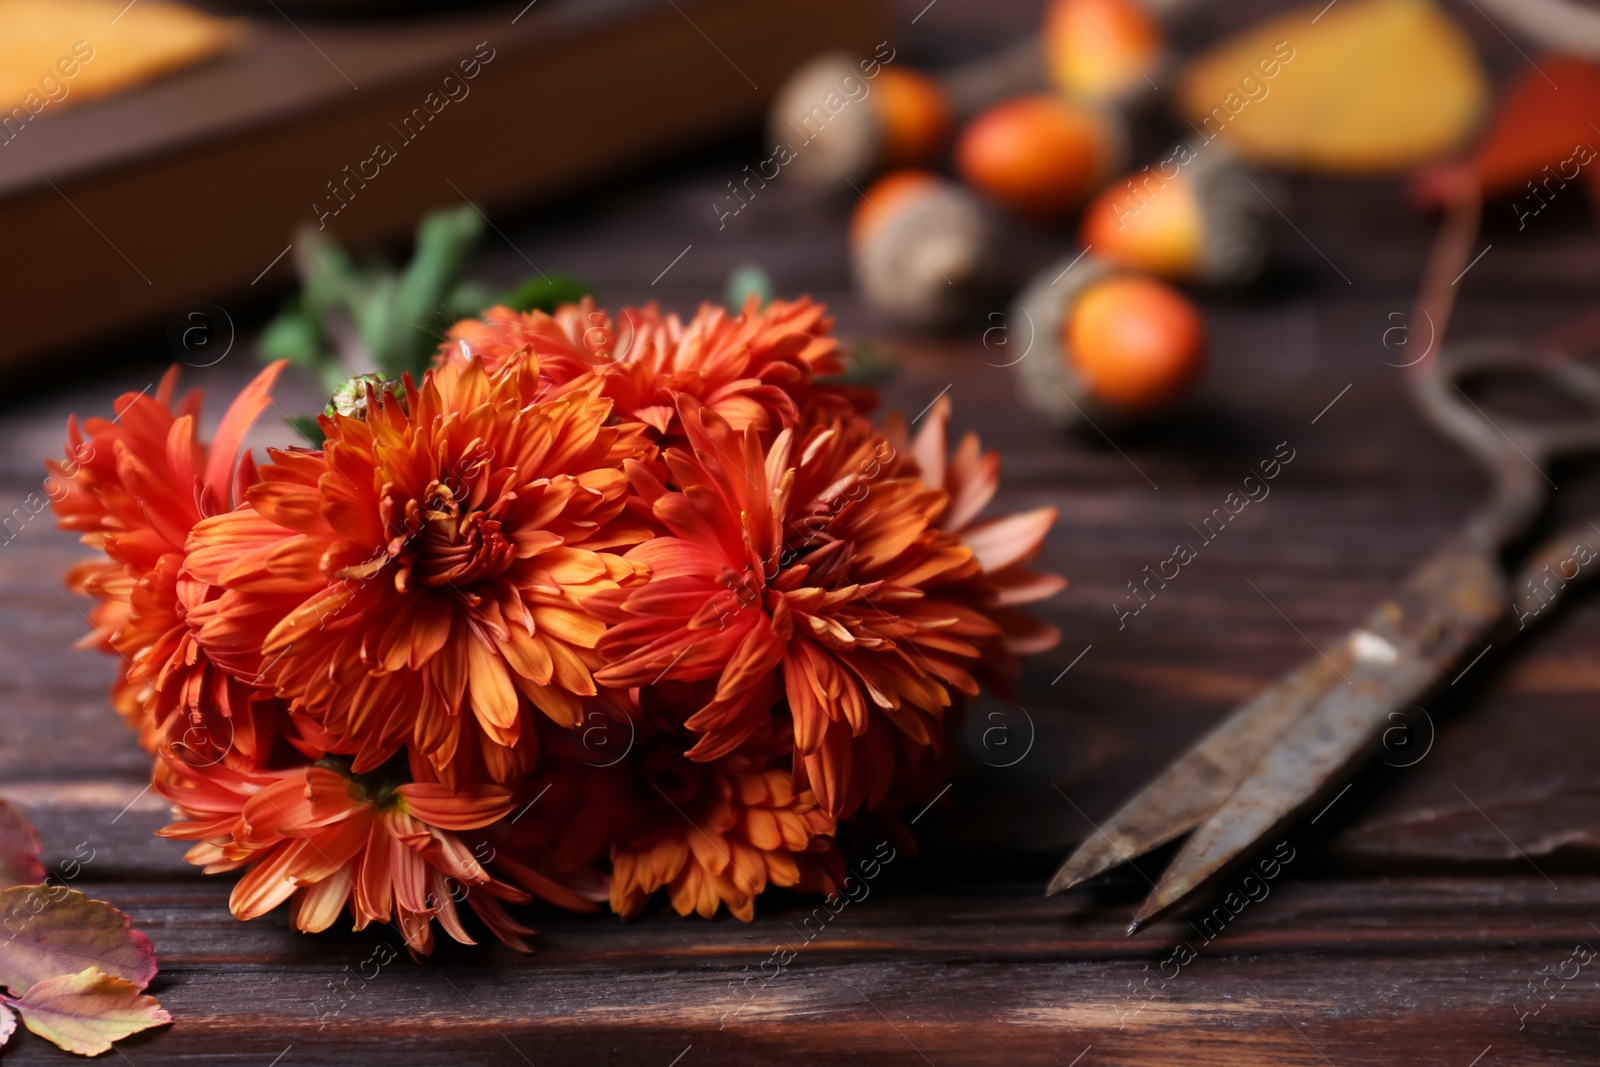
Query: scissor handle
{"points": [[1517, 453]]}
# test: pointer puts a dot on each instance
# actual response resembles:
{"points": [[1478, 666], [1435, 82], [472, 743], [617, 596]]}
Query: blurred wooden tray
{"points": [[120, 211]]}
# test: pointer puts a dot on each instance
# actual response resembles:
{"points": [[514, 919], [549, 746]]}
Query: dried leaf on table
{"points": [[114, 49], [51, 931], [1360, 87], [1545, 116], [19, 849], [78, 964], [86, 1012]]}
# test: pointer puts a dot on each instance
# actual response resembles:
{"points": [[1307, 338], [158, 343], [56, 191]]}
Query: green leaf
{"points": [[380, 326], [19, 850], [85, 1012], [746, 281], [545, 293], [470, 298], [308, 427], [48, 931], [329, 278], [445, 240], [295, 334], [398, 315]]}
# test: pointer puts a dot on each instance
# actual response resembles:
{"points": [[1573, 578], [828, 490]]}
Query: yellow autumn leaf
{"points": [[1359, 87], [58, 52], [88, 1011]]}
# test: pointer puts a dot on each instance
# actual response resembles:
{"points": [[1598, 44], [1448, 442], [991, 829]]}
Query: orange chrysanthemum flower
{"points": [[321, 838], [710, 833], [420, 580], [134, 487], [757, 368], [721, 833], [656, 587], [1002, 546], [813, 571]]}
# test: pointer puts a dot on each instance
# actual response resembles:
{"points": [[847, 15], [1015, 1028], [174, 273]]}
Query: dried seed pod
{"points": [[1103, 51], [1040, 155], [1107, 344], [843, 120], [830, 136], [1191, 217], [923, 249]]}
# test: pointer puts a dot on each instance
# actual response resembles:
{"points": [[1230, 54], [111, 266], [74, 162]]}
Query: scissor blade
{"points": [[1201, 779], [1406, 645]]}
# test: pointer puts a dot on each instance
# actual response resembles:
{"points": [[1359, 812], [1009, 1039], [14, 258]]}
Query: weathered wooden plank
{"points": [[914, 970]]}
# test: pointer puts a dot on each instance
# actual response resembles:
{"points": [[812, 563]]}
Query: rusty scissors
{"points": [[1284, 750]]}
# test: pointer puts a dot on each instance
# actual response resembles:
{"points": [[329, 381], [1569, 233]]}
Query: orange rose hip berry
{"points": [[1039, 155], [1138, 344]]}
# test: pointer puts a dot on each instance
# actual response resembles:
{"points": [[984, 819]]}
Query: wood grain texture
{"points": [[1406, 930], [988, 973]]}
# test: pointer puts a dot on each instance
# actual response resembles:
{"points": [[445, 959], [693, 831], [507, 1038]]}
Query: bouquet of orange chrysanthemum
{"points": [[571, 616]]}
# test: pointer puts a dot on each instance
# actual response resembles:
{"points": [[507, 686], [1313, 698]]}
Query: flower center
{"points": [[375, 787], [458, 545]]}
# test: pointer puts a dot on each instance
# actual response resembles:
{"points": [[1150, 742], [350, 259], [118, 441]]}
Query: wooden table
{"points": [[1412, 925]]}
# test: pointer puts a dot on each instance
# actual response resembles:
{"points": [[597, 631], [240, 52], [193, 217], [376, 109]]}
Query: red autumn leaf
{"points": [[19, 849], [50, 931], [87, 1011], [1537, 125]]}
